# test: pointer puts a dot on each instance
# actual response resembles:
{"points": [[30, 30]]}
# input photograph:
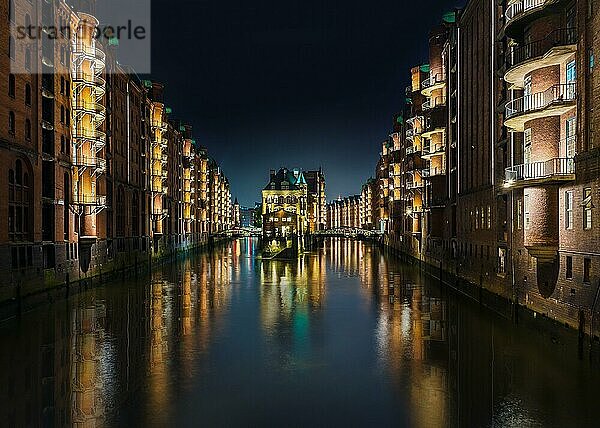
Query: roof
{"points": [[285, 179]]}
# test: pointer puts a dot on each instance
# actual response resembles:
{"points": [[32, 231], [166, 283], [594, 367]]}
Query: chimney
{"points": [[272, 174]]}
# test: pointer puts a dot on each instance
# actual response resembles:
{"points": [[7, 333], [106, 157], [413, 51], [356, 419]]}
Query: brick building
{"points": [[493, 171], [98, 176]]}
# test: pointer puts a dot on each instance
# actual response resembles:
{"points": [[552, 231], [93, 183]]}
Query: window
{"points": [[11, 122], [18, 203], [569, 267], [570, 133], [519, 214], [11, 47], [587, 208], [571, 72], [527, 146], [501, 260], [28, 94], [591, 59], [526, 216], [11, 85], [489, 217], [476, 218], [11, 10], [28, 130], [587, 267], [62, 114], [569, 209]]}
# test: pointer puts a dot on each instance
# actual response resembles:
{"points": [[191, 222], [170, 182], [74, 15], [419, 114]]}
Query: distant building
{"points": [[284, 203], [246, 217]]}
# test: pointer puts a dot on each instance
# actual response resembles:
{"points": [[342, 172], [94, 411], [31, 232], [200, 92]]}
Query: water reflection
{"points": [[224, 338]]}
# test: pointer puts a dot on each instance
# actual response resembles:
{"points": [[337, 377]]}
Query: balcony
{"points": [[435, 102], [554, 101], [436, 80], [520, 13], [96, 55], [94, 162], [539, 173], [553, 49], [89, 200], [98, 138], [431, 150], [96, 110]]}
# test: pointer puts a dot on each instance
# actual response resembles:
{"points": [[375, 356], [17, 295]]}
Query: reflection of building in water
{"points": [[289, 288], [411, 335], [344, 255], [87, 388]]}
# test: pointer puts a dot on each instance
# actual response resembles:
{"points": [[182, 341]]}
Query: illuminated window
{"points": [[501, 260], [587, 208], [569, 209], [526, 215], [489, 217]]}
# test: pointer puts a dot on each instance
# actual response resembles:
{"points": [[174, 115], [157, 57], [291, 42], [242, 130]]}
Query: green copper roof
{"points": [[399, 119], [425, 68], [147, 83], [113, 41], [449, 17], [168, 110]]}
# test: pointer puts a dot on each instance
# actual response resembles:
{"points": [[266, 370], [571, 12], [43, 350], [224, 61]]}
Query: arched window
{"points": [[11, 85], [27, 129], [28, 23], [28, 94], [18, 203], [281, 200], [27, 59], [11, 122], [62, 143], [11, 47]]}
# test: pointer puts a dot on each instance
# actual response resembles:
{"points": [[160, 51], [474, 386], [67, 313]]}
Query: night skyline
{"points": [[316, 89]]}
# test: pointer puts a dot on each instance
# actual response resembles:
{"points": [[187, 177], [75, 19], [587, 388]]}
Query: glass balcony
{"points": [[537, 173], [554, 101], [553, 49]]}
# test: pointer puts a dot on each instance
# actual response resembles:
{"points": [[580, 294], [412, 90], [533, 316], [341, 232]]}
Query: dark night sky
{"points": [[290, 83]]}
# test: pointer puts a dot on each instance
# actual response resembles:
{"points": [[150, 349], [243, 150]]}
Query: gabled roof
{"points": [[285, 179]]}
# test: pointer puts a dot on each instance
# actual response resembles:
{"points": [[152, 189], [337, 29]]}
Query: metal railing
{"points": [[89, 134], [559, 37], [91, 200], [554, 94], [434, 102], [435, 77], [520, 7], [89, 161], [538, 170]]}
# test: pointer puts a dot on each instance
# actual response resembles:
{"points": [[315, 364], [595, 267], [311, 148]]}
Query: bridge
{"points": [[241, 232], [349, 232]]}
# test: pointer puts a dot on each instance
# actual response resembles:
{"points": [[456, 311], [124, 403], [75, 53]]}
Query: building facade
{"points": [[98, 175], [491, 170]]}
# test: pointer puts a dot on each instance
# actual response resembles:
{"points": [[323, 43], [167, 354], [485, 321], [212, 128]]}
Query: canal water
{"points": [[345, 335]]}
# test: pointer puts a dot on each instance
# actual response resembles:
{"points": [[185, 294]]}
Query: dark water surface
{"points": [[346, 335]]}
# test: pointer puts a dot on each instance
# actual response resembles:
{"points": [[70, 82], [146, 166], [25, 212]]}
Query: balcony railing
{"points": [[435, 77], [560, 37], [89, 162], [555, 94], [434, 102], [540, 170], [517, 8], [89, 200]]}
